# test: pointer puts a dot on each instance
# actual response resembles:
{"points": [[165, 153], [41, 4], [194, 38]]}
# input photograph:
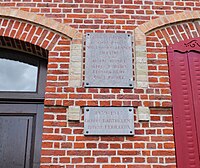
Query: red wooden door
{"points": [[194, 62], [184, 66]]}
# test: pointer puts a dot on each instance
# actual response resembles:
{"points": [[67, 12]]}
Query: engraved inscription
{"points": [[108, 121], [108, 60]]}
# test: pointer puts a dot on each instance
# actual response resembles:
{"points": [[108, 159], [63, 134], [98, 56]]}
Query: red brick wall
{"points": [[64, 144]]}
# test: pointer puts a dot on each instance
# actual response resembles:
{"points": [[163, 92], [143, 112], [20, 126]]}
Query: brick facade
{"points": [[59, 28]]}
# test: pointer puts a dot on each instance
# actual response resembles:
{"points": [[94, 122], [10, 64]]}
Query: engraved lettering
{"points": [[117, 119], [108, 60]]}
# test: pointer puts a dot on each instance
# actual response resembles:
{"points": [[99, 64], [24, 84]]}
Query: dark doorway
{"points": [[22, 85], [184, 66], [21, 131]]}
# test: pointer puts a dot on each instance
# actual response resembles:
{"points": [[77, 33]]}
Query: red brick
{"points": [[152, 160], [85, 138], [54, 137], [102, 160], [45, 160], [102, 145], [78, 153], [139, 145], [127, 160], [47, 145], [91, 145], [151, 145], [65, 160], [169, 145], [88, 166], [139, 160], [104, 153], [89, 160], [163, 153], [53, 152], [113, 166], [170, 160], [77, 160], [115, 146], [79, 145], [112, 138], [115, 160], [128, 152], [66, 145], [104, 103], [139, 166]]}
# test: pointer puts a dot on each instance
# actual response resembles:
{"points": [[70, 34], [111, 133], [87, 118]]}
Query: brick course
{"points": [[59, 27]]}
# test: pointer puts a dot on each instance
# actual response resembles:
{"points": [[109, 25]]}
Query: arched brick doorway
{"points": [[151, 42], [64, 46], [22, 88]]}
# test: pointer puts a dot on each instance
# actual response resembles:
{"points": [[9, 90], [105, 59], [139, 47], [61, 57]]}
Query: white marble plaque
{"points": [[108, 121], [108, 60]]}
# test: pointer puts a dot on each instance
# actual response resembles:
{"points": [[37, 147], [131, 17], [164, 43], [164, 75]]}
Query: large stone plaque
{"points": [[108, 121], [108, 60]]}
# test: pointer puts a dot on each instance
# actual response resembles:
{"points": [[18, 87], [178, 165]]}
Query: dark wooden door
{"points": [[15, 141], [21, 131], [22, 88], [184, 66]]}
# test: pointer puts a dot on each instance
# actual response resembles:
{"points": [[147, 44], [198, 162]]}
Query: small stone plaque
{"points": [[108, 121], [108, 60]]}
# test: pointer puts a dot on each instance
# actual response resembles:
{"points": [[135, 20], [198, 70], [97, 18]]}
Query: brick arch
{"points": [[171, 34], [42, 21], [169, 19], [15, 44], [164, 30], [59, 39]]}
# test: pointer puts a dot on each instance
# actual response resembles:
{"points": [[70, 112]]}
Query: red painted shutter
{"points": [[194, 64], [183, 111]]}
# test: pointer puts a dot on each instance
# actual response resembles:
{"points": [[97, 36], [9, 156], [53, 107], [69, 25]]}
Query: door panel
{"points": [[21, 107], [194, 64], [183, 112], [21, 135], [15, 141]]}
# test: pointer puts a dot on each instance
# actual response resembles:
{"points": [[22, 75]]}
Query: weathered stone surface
{"points": [[108, 60], [108, 121]]}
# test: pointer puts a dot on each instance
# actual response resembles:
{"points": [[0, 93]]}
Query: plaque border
{"points": [[128, 108], [129, 84]]}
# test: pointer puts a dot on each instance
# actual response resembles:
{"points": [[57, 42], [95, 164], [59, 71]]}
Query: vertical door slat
{"points": [[183, 111]]}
